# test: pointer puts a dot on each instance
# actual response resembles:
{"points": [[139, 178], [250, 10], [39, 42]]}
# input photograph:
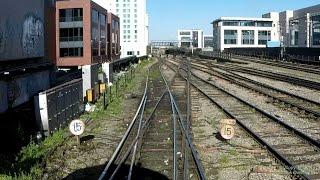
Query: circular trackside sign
{"points": [[77, 127]]}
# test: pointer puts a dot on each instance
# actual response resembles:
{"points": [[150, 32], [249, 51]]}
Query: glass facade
{"points": [[230, 36], [69, 36], [264, 37], [247, 37], [71, 52], [230, 23], [247, 23], [103, 35], [208, 41], [294, 32], [316, 30], [70, 15], [95, 33], [185, 33], [195, 38], [264, 24]]}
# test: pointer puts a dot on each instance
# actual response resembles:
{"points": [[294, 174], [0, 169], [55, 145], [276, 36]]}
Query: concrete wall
{"points": [[89, 76], [21, 29], [21, 89], [284, 27]]}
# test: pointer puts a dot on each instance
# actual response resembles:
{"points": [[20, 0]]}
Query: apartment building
{"points": [[134, 34], [303, 27], [113, 37], [190, 38], [233, 32], [207, 43], [81, 33]]}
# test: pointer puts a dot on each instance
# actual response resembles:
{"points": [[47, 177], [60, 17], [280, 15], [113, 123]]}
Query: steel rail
{"points": [[143, 128], [133, 159], [251, 81], [281, 77], [126, 135], [234, 77], [277, 154], [298, 67], [198, 164], [271, 116], [276, 76]]}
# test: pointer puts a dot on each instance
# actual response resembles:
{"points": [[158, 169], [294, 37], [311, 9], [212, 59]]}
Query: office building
{"points": [[81, 39], [190, 38], [284, 18], [207, 43], [81, 33], [113, 37], [304, 27], [236, 32], [134, 23]]}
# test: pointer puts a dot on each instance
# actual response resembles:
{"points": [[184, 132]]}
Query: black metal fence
{"points": [[289, 54]]}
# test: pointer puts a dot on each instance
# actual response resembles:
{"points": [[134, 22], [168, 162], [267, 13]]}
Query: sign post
{"points": [[227, 130], [77, 127]]}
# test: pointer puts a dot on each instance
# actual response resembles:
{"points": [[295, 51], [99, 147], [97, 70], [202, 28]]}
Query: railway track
{"points": [[294, 66], [298, 152], [299, 67], [271, 75], [155, 142], [304, 104]]}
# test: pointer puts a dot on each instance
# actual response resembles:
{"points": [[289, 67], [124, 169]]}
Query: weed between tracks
{"points": [[30, 162]]}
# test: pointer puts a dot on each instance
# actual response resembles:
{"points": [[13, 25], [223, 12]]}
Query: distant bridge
{"points": [[161, 44]]}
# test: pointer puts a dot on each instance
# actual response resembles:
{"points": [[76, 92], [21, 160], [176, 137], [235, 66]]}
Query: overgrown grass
{"points": [[30, 161]]}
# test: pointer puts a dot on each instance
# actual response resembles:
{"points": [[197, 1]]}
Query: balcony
{"points": [[71, 19], [73, 38]]}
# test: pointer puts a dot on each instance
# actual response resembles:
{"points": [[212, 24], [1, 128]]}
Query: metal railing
{"points": [[70, 19], [71, 39]]}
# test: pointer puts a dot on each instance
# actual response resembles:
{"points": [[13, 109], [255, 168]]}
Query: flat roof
{"points": [[241, 19], [190, 30]]}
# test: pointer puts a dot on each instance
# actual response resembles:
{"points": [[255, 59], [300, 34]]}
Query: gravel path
{"points": [[301, 91], [100, 139], [284, 71], [239, 158], [290, 116]]}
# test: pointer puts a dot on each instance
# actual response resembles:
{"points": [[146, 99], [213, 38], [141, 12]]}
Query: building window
{"points": [[264, 37], [316, 30], [95, 16], [230, 36], [71, 34], [185, 33], [247, 23], [71, 52], [230, 23], [70, 15], [138, 53], [130, 53], [264, 24], [247, 37]]}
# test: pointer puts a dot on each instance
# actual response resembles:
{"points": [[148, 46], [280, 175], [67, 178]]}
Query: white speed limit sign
{"points": [[227, 128], [77, 127]]}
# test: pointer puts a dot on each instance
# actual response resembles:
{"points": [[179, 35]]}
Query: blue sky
{"points": [[167, 16]]}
